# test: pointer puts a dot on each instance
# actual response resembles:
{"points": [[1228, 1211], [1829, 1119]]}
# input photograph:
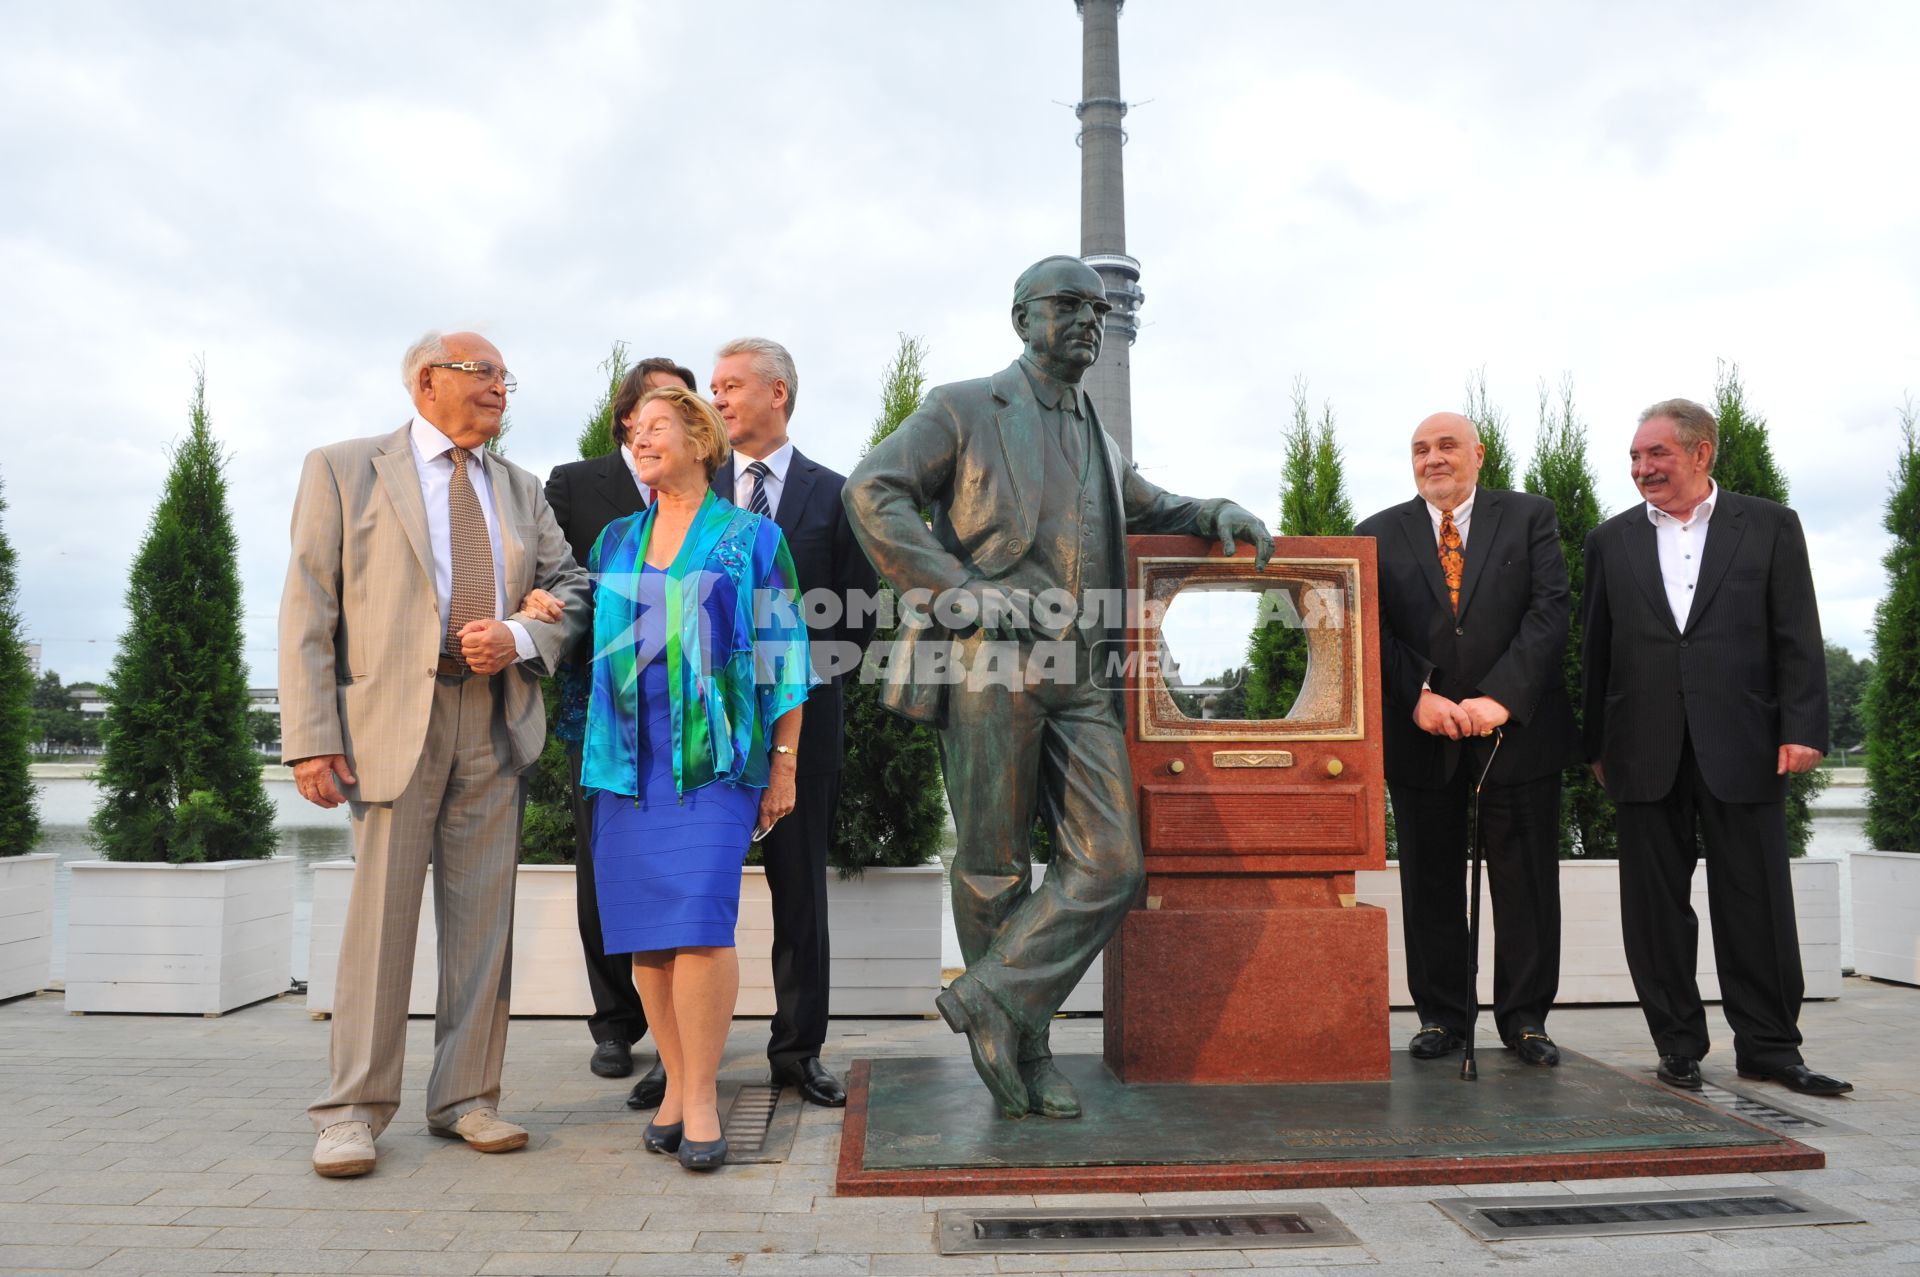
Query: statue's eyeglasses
{"points": [[483, 370], [1074, 303]]}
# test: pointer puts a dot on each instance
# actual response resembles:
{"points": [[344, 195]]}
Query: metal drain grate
{"points": [[1612, 1214], [758, 1128], [1764, 1113], [1122, 1228]]}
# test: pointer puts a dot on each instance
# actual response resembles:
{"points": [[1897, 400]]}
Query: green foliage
{"points": [[263, 728], [596, 437], [1313, 503], [58, 724], [892, 807], [19, 800], [179, 780], [1561, 473], [1744, 464], [1496, 471], [1847, 681], [1893, 695]]}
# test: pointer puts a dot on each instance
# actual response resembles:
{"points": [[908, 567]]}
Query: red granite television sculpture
{"points": [[1248, 958]]}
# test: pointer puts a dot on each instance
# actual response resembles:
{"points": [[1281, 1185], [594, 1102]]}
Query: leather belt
{"points": [[451, 666]]}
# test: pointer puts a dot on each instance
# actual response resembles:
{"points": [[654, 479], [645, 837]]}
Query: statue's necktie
{"points": [[758, 501], [1453, 557], [472, 552]]}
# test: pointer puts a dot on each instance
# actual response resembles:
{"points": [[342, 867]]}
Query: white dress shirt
{"points": [[1462, 517], [1681, 545], [434, 465], [626, 455], [777, 461]]}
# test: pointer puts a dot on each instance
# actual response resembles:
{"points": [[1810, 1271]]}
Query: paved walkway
{"points": [[162, 1144]]}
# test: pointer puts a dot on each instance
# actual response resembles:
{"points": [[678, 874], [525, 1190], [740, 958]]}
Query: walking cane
{"points": [[1469, 1070]]}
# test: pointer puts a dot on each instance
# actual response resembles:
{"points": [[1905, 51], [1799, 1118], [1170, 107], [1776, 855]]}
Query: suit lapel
{"points": [[616, 485], [1723, 538], [722, 484], [1417, 525], [1643, 553], [401, 482], [1018, 424], [1483, 528], [795, 492], [506, 517]]}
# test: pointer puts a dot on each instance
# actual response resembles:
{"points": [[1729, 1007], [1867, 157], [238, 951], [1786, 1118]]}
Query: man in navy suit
{"points": [[586, 496], [1473, 635], [1706, 684], [754, 389]]}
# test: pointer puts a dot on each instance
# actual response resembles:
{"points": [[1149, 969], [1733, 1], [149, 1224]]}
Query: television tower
{"points": [[1103, 214]]}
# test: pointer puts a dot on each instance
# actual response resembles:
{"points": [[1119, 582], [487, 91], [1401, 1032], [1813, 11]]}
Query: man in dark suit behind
{"points": [[586, 496], [1473, 635], [754, 388], [1706, 685]]}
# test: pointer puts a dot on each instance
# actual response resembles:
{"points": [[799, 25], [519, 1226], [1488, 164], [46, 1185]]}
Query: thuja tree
{"points": [[1893, 695], [892, 809], [1313, 503], [546, 824], [1562, 473], [19, 816], [1745, 464], [1496, 471], [179, 778]]}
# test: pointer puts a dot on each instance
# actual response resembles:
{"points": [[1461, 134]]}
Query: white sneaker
{"points": [[484, 1130], [344, 1149]]}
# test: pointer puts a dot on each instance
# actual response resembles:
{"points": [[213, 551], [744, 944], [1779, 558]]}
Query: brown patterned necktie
{"points": [[1453, 557], [472, 555]]}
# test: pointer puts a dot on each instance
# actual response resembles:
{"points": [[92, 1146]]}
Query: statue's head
{"points": [[1060, 311]]}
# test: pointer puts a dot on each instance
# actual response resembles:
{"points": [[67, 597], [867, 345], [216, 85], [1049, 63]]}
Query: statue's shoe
{"points": [[1048, 1092], [994, 1040]]}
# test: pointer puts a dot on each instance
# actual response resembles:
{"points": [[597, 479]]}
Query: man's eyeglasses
{"points": [[1074, 303], [484, 370]]}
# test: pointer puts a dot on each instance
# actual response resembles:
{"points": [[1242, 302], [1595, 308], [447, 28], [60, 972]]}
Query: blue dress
{"points": [[667, 865]]}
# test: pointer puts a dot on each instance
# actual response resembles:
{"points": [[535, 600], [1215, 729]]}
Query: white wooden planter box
{"points": [[26, 923], [178, 938], [1593, 960], [886, 942], [1886, 915]]}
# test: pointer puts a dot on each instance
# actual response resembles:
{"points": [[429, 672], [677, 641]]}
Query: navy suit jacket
{"points": [[586, 496], [825, 556], [1745, 675], [1509, 640]]}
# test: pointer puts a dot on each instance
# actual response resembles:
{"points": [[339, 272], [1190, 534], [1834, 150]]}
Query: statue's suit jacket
{"points": [[1746, 674], [972, 456], [360, 629]]}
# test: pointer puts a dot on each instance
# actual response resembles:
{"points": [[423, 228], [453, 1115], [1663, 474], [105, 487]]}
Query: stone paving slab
{"points": [[159, 1144]]}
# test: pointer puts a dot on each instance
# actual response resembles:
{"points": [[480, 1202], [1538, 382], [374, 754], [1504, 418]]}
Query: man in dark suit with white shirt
{"points": [[754, 389], [586, 496], [1473, 634], [1706, 685]]}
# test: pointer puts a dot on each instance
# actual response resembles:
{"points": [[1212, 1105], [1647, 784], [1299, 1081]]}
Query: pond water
{"points": [[311, 835]]}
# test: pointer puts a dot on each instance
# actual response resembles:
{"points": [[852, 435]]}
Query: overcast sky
{"points": [[1379, 198]]}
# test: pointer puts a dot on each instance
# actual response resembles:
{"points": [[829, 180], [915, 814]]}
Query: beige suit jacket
{"points": [[360, 623]]}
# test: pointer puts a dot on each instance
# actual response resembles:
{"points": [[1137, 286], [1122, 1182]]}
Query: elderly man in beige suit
{"points": [[407, 691]]}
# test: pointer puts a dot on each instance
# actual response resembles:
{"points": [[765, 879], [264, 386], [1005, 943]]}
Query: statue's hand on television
{"points": [[1235, 523]]}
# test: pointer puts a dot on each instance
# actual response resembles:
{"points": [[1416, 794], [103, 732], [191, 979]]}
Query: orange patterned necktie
{"points": [[472, 556], [1453, 558]]}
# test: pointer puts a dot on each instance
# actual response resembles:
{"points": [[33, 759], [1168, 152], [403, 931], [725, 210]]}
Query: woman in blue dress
{"points": [[700, 668]]}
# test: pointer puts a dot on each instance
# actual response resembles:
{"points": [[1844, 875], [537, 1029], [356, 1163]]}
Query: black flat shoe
{"points": [[1533, 1046], [662, 1139], [1434, 1041], [811, 1079], [612, 1059], [1682, 1071], [649, 1090], [703, 1155], [1795, 1077]]}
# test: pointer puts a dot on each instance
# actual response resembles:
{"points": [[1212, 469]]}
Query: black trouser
{"points": [[1520, 840], [795, 855], [1756, 944], [617, 1016]]}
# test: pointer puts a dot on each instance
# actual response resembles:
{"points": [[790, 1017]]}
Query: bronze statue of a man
{"points": [[1028, 495]]}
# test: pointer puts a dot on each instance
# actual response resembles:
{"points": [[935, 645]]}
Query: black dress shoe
{"points": [[1682, 1071], [811, 1079], [662, 1139], [650, 1089], [1533, 1046], [1434, 1041], [1795, 1077], [703, 1155], [612, 1059]]}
